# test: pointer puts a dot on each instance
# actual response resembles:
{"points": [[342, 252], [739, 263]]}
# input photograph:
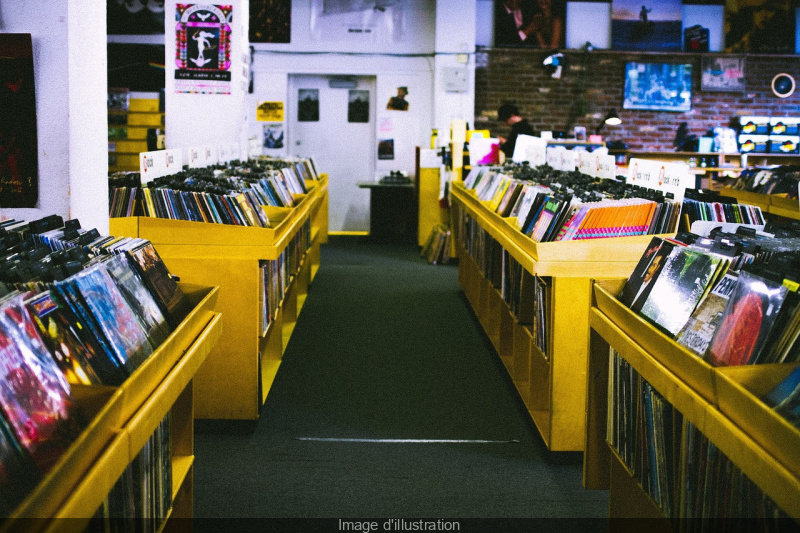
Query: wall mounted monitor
{"points": [[658, 86]]}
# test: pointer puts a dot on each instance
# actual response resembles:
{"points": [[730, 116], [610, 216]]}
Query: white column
{"points": [[69, 56], [204, 119], [455, 47]]}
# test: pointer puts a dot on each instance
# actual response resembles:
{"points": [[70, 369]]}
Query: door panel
{"points": [[344, 150]]}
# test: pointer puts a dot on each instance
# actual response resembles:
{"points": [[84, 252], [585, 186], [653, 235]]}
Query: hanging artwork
{"points": [[536, 23], [270, 21], [203, 41], [722, 73], [358, 106], [370, 21], [398, 102], [273, 136], [19, 164], [385, 149], [760, 26], [308, 105], [647, 26]]}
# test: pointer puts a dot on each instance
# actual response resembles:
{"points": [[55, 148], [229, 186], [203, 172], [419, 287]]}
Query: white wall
{"points": [[430, 38], [193, 120], [70, 73]]}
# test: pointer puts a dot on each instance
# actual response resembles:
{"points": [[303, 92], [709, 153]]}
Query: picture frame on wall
{"points": [[719, 73], [270, 21], [530, 23], [19, 159], [658, 86], [760, 26], [652, 27]]}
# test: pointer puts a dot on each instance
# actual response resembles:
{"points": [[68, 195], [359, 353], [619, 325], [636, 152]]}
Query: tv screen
{"points": [[658, 86]]}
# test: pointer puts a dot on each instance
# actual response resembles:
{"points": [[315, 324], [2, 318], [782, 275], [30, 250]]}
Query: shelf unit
{"points": [[235, 381], [552, 385], [722, 403], [773, 205], [128, 131], [725, 162], [122, 419]]}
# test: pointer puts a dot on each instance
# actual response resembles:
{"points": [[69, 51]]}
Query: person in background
{"points": [[509, 114]]}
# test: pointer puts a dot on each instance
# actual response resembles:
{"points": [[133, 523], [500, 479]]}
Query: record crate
{"points": [[722, 403], [549, 375], [235, 381], [120, 421]]}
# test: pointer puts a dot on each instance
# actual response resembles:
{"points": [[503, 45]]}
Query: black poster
{"points": [[19, 165], [270, 21]]}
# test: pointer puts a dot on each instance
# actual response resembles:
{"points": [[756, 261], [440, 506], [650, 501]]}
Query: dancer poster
{"points": [[203, 48], [19, 163]]}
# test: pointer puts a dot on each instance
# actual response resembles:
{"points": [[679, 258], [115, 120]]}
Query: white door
{"points": [[334, 133]]}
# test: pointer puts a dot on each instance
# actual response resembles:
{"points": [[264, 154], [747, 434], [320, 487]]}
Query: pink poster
{"points": [[203, 48]]}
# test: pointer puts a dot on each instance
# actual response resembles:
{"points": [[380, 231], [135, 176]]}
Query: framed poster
{"points": [[654, 27], [722, 74], [658, 86], [307, 105], [203, 55], [358, 106], [270, 21], [534, 23], [19, 159], [760, 26]]}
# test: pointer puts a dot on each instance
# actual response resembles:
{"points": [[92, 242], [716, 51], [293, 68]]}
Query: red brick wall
{"points": [[517, 75]]}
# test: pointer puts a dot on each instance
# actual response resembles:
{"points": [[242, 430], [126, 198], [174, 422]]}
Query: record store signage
{"points": [[666, 177], [203, 48], [202, 156], [605, 166], [159, 163], [587, 163], [569, 160]]}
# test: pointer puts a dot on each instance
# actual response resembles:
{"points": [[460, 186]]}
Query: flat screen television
{"points": [[658, 86]]}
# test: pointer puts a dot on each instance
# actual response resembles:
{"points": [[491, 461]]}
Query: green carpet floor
{"points": [[387, 347]]}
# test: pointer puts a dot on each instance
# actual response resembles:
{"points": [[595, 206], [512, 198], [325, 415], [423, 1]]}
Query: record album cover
{"points": [[747, 321]]}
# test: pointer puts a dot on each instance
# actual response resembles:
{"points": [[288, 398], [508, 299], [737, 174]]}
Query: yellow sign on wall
{"points": [[269, 112]]}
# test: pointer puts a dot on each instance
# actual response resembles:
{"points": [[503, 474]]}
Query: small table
{"points": [[392, 212]]}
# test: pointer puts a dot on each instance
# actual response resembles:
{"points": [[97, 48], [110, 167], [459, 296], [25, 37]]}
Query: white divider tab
{"points": [[196, 154], [211, 156], [235, 150], [224, 154], [254, 148], [661, 176], [531, 149], [159, 163], [553, 156], [569, 160], [586, 163], [606, 166], [173, 160]]}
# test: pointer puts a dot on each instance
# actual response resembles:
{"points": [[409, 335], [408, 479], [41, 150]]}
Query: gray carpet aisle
{"points": [[387, 348]]}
